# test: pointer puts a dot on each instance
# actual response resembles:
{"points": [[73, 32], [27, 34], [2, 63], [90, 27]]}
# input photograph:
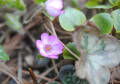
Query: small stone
{"points": [[29, 60]]}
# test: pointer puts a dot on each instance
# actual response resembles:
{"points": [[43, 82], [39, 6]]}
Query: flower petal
{"points": [[53, 40], [59, 46], [56, 50], [39, 44], [53, 11], [40, 47], [58, 4], [44, 38], [53, 56]]}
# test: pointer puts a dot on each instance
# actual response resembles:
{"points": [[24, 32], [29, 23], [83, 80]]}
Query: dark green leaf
{"points": [[71, 18], [104, 21], [3, 54], [73, 48]]}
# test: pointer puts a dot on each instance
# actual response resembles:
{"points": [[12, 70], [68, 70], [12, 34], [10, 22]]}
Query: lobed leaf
{"points": [[98, 54]]}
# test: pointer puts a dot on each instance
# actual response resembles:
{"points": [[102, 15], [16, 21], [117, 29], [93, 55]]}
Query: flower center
{"points": [[48, 47]]}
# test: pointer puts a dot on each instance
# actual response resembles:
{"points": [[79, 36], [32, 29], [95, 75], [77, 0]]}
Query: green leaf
{"points": [[116, 19], [39, 56], [99, 6], [71, 18], [2, 2], [117, 35], [39, 1], [74, 2], [73, 48], [95, 4], [115, 2], [19, 4], [104, 21], [3, 55], [91, 3], [13, 22]]}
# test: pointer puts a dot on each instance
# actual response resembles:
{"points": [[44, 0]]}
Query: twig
{"points": [[7, 73], [53, 29], [53, 61], [31, 37], [38, 76], [116, 81], [5, 34], [19, 67], [6, 70], [63, 32], [2, 25], [77, 57], [33, 76], [56, 70], [57, 65], [6, 80], [47, 28], [65, 37]]}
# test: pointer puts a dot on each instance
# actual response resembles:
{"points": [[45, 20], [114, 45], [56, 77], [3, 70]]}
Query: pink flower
{"points": [[54, 7], [49, 46]]}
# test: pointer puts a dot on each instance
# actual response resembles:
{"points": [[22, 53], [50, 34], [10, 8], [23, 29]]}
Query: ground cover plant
{"points": [[59, 41]]}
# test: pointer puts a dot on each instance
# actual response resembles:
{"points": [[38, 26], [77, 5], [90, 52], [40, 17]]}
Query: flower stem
{"points": [[53, 61], [55, 67], [53, 30]]}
